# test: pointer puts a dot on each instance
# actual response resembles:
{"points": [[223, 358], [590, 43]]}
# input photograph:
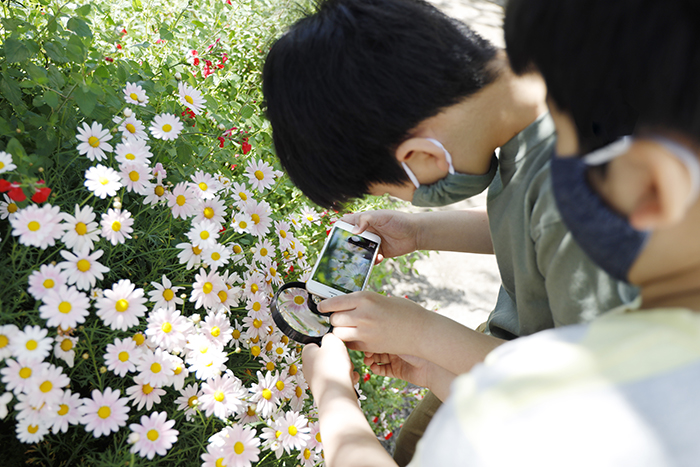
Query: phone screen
{"points": [[346, 262]]}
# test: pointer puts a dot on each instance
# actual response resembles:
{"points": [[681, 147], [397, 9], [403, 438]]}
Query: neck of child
{"points": [[487, 120]]}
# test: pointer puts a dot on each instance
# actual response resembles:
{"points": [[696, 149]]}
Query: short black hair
{"points": [[345, 85], [613, 64]]}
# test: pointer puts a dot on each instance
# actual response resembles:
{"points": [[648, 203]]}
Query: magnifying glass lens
{"points": [[290, 310]]}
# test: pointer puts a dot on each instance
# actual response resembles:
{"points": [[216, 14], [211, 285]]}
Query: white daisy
{"points": [[182, 201], [143, 394], [228, 297], [168, 329], [241, 193], [299, 397], [217, 328], [216, 455], [134, 94], [242, 222], [309, 216], [154, 435], [122, 305], [222, 396], [263, 393], [205, 288], [122, 356], [102, 181], [180, 372], [295, 431], [7, 333], [257, 327], [65, 349], [154, 193], [188, 400], [29, 432], [5, 399], [241, 445], [16, 375], [166, 127], [133, 152], [203, 234], [212, 210], [261, 175], [116, 226], [190, 254], [135, 177], [38, 226], [260, 214], [104, 413], [216, 256], [81, 230], [248, 415], [6, 162], [8, 207], [155, 368], [94, 141], [31, 344], [82, 268], [48, 277], [65, 307], [254, 283], [204, 184], [165, 295], [205, 359], [264, 251], [131, 127], [308, 457], [67, 412], [46, 386], [191, 98]]}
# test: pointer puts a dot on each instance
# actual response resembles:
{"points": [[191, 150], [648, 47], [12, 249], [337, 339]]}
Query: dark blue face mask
{"points": [[606, 236]]}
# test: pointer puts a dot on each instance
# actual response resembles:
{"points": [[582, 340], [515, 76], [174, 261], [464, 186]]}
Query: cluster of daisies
{"points": [[158, 348]]}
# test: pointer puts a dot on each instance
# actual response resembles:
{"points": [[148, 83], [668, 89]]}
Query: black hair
{"points": [[613, 64], [345, 86]]}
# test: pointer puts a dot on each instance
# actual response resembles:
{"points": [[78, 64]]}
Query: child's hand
{"points": [[371, 322], [328, 367], [399, 231], [415, 370]]}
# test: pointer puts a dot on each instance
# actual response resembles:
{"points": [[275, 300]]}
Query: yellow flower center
{"points": [[134, 96], [65, 307], [279, 350], [177, 370], [285, 339], [4, 341], [48, 284], [33, 226], [236, 334], [216, 256], [215, 331], [116, 226], [219, 396], [147, 388], [307, 453], [204, 234], [155, 367], [298, 391], [83, 265], [255, 350], [293, 369], [66, 345], [243, 196], [130, 128], [33, 428], [273, 272], [25, 373], [46, 386], [254, 288], [310, 218], [166, 327], [130, 156], [196, 250], [238, 448], [256, 307], [123, 356], [62, 409], [134, 176], [12, 208], [263, 251], [237, 249], [242, 224], [203, 186], [299, 300], [255, 218], [259, 175], [152, 435], [220, 462], [121, 306], [318, 436], [269, 346], [208, 213], [267, 394], [180, 200], [280, 385], [257, 323], [283, 234], [81, 228], [255, 340], [223, 296], [103, 180], [94, 141], [139, 338], [189, 100], [31, 344], [104, 412], [168, 294], [191, 401], [208, 287], [159, 190], [270, 366], [167, 128], [292, 430]]}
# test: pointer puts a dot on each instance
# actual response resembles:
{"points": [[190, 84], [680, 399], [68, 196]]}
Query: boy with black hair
{"points": [[392, 96], [622, 389]]}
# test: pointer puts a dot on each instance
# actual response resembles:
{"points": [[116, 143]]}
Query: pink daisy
{"points": [[155, 435], [104, 413]]}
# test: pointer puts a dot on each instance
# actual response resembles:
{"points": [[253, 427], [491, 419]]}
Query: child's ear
{"points": [[664, 199], [422, 152]]}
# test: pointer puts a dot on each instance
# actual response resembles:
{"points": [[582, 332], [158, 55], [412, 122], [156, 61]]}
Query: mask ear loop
{"points": [[411, 175], [448, 158], [687, 158], [607, 153]]}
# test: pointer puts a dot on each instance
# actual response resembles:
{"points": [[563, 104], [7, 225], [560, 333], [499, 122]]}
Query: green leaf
{"points": [[56, 78], [15, 148], [11, 91], [16, 51], [80, 27], [247, 111], [84, 10], [199, 24], [212, 104], [86, 101], [165, 34], [36, 73], [51, 98], [55, 52], [11, 24], [102, 72], [75, 50], [136, 4]]}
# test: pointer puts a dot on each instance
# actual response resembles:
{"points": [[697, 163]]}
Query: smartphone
{"points": [[345, 262]]}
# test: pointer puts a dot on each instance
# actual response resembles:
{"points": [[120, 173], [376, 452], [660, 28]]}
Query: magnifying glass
{"points": [[296, 315]]}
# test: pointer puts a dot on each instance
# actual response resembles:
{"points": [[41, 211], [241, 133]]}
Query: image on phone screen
{"points": [[346, 262]]}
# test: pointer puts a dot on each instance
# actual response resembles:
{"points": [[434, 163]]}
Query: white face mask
{"points": [[448, 158]]}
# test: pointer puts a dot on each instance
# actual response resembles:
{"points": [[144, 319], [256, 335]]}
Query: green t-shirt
{"points": [[546, 279]]}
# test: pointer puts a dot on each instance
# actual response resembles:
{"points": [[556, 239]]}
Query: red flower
{"points": [[223, 229], [221, 141], [375, 419], [245, 146], [194, 53], [233, 166], [366, 377], [41, 195], [109, 59], [196, 61], [119, 46], [16, 193], [123, 31], [4, 185], [388, 435]]}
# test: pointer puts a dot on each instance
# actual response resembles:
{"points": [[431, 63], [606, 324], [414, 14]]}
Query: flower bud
{"points": [[128, 112], [117, 205], [221, 127], [177, 75]]}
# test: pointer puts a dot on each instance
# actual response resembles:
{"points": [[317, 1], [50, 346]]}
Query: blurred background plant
{"points": [[125, 66]]}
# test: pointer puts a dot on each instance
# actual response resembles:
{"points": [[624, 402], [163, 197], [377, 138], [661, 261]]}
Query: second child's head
{"points": [[347, 84]]}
